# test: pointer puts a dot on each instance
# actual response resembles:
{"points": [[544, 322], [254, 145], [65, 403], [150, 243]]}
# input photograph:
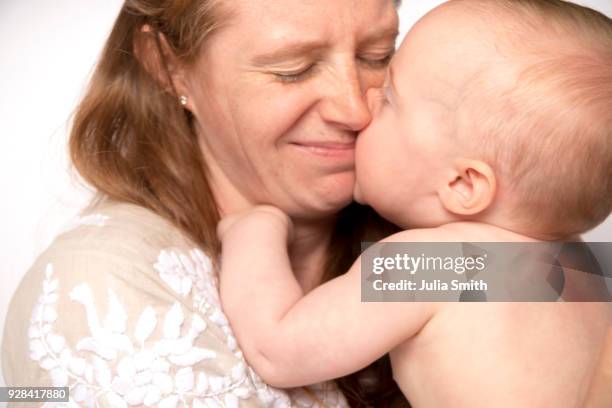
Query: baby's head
{"points": [[497, 111]]}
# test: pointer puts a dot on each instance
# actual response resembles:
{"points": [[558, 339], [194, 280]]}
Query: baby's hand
{"points": [[261, 219]]}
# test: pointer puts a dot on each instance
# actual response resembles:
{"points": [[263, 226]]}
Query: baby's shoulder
{"points": [[437, 234], [458, 232]]}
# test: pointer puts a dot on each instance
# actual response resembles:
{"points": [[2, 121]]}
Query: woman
{"points": [[197, 109]]}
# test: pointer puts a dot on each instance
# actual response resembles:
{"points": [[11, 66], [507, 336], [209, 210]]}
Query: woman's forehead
{"points": [[282, 20]]}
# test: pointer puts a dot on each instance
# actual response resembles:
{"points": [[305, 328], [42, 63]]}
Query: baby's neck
{"points": [[476, 231], [501, 222]]}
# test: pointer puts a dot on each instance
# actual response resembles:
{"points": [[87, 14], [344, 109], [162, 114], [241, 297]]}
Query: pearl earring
{"points": [[183, 100]]}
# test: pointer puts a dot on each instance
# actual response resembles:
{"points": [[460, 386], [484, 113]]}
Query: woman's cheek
{"points": [[278, 110], [372, 79]]}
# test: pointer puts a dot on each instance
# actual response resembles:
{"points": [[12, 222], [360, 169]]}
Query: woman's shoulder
{"points": [[124, 249], [125, 310], [118, 299], [118, 245], [121, 240], [118, 227]]}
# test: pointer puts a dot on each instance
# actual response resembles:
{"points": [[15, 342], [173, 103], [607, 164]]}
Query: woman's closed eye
{"points": [[374, 62], [371, 62], [295, 76]]}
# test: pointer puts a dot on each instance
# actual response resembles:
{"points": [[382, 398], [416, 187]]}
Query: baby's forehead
{"points": [[456, 36], [444, 53], [461, 19], [464, 39]]}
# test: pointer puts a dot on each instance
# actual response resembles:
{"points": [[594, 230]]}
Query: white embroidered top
{"points": [[125, 311]]}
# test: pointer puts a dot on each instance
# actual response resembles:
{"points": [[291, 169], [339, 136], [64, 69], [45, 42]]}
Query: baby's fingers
{"points": [[264, 219]]}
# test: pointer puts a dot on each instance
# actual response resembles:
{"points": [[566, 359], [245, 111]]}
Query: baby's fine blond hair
{"points": [[548, 131]]}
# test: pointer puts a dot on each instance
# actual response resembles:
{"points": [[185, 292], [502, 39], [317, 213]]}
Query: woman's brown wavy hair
{"points": [[133, 142]]}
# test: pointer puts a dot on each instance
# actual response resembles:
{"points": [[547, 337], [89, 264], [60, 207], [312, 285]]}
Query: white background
{"points": [[48, 50]]}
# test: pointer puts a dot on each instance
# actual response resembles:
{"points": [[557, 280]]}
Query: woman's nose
{"points": [[347, 107]]}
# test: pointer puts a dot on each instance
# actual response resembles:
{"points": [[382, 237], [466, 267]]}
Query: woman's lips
{"points": [[328, 149]]}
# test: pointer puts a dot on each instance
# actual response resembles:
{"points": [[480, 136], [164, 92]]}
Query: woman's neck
{"points": [[311, 238]]}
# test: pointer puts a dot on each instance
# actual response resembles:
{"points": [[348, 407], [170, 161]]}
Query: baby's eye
{"points": [[381, 96], [386, 93], [291, 77], [379, 100], [376, 63]]}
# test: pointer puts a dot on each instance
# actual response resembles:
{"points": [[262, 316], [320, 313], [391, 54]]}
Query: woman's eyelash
{"points": [[304, 74], [296, 76], [376, 63]]}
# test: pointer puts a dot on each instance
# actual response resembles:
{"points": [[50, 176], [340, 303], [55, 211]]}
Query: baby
{"points": [[494, 125]]}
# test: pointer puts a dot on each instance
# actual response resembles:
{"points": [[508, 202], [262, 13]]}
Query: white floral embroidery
{"points": [[145, 372], [193, 275], [109, 367]]}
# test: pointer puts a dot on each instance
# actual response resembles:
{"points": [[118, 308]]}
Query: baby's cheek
{"points": [[357, 196], [360, 174]]}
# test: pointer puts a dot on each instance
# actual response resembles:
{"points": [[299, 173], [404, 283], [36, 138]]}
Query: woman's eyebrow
{"points": [[288, 51], [379, 35]]}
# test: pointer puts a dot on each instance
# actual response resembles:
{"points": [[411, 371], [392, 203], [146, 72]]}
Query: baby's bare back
{"points": [[527, 355], [502, 355]]}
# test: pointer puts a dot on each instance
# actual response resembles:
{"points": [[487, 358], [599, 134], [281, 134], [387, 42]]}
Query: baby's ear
{"points": [[469, 189]]}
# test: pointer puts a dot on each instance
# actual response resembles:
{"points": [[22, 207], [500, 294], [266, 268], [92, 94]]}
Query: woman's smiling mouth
{"points": [[328, 149]]}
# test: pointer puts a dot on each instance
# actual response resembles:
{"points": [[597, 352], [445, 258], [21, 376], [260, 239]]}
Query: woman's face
{"points": [[278, 96]]}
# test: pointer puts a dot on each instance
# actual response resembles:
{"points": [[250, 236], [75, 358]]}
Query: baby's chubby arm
{"points": [[291, 339]]}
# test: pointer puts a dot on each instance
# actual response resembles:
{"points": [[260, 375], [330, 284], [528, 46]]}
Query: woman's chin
{"points": [[331, 198]]}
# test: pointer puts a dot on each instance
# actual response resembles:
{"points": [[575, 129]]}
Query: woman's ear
{"points": [[156, 56], [469, 189]]}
